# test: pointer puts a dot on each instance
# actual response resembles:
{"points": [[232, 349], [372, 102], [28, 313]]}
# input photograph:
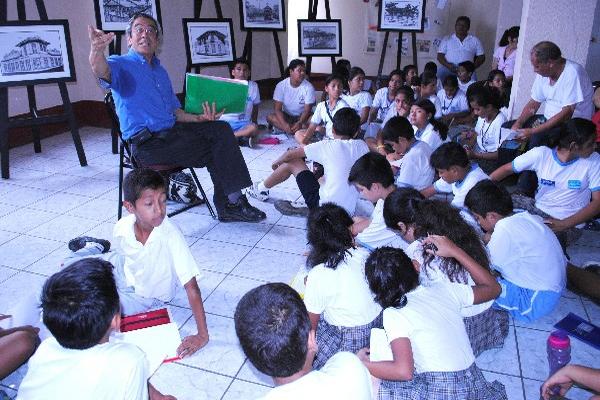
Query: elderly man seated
{"points": [[158, 129]]}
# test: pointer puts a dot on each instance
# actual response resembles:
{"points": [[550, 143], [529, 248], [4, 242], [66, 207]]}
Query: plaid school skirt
{"points": [[468, 384], [487, 330], [332, 339]]}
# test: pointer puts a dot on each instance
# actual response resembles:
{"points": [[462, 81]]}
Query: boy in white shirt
{"points": [[453, 101], [152, 259], [523, 250], [337, 157], [244, 124], [272, 324], [80, 307], [465, 72], [457, 174]]}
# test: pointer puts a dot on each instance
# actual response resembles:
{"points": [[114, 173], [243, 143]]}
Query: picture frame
{"points": [[113, 15], [262, 15], [401, 15], [320, 38], [34, 52], [208, 41]]}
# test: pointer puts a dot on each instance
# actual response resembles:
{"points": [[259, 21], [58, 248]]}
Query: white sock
{"points": [[262, 187]]}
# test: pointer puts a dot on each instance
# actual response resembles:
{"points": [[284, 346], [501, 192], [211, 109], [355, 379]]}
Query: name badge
{"points": [[574, 184], [547, 182]]}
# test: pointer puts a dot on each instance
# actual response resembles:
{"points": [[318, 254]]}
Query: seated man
{"points": [[273, 327], [566, 91], [158, 129]]}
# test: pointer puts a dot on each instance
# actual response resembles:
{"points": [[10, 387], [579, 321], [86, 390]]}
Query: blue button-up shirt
{"points": [[143, 94]]}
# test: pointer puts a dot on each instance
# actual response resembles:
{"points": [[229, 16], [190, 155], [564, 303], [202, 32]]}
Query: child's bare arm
{"points": [[193, 343], [314, 320], [428, 191], [400, 369], [293, 154], [360, 224], [566, 376]]}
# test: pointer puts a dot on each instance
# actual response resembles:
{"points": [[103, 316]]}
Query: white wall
{"points": [[81, 13]]}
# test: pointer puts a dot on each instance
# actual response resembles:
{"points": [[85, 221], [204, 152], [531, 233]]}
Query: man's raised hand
{"points": [[99, 40]]}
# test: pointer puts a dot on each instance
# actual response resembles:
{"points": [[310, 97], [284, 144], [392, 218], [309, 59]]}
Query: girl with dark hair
{"points": [[506, 54], [357, 97], [427, 128], [339, 303], [487, 328], [497, 79], [431, 356], [567, 174], [483, 142]]}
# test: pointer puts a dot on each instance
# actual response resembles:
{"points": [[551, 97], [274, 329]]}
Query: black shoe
{"points": [[241, 211], [289, 208], [79, 243]]}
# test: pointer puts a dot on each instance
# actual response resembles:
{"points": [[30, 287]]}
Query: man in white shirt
{"points": [[459, 47], [566, 91], [272, 324]]}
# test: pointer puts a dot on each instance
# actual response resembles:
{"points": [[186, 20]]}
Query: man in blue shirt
{"points": [[158, 129]]}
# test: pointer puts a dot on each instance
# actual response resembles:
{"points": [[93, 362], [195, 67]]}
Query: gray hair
{"points": [[146, 16], [546, 51]]}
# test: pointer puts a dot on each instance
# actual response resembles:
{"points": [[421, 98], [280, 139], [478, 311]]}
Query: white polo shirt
{"points": [[456, 51], [461, 188], [294, 98], [382, 103], [430, 136], [458, 103], [414, 168], [489, 135], [572, 87]]}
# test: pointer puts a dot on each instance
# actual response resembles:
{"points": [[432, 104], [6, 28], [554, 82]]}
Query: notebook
{"points": [[227, 94]]}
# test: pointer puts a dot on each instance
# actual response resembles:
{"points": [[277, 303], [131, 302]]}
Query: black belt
{"points": [[140, 137]]}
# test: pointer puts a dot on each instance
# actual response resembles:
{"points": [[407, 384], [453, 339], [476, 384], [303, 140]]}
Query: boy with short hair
{"points": [[80, 307], [272, 324], [336, 156], [465, 72], [457, 174], [373, 178], [152, 259], [244, 124], [523, 250], [429, 92]]}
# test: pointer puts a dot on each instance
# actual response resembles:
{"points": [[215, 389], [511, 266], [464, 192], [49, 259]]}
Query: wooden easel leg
{"points": [[35, 129], [382, 58], [278, 51], [4, 132], [72, 123]]}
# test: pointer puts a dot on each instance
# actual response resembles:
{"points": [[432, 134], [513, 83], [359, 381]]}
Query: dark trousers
{"points": [[205, 144], [528, 181]]}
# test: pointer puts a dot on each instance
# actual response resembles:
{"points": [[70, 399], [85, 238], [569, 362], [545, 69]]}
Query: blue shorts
{"points": [[237, 125], [525, 305]]}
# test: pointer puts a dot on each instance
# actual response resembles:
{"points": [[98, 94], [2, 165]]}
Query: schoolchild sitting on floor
{"points": [[80, 307], [410, 158], [325, 111], [337, 157], [402, 104], [464, 72], [457, 174], [152, 259], [339, 303], [523, 250], [357, 97], [373, 177], [487, 328], [483, 142], [382, 102], [568, 174], [244, 124], [453, 101], [432, 359], [275, 333], [429, 92], [427, 128]]}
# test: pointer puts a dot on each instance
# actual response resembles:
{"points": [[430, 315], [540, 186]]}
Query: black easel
{"points": [[313, 6], [247, 52], [399, 54], [34, 120]]}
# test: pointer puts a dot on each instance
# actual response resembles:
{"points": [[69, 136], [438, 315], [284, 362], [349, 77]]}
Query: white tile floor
{"points": [[51, 199]]}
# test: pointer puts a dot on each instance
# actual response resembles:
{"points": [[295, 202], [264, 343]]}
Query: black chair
{"points": [[126, 160]]}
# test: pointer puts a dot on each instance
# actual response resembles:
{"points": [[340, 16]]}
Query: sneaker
{"points": [[241, 211], [287, 207], [79, 243], [252, 142], [253, 191]]}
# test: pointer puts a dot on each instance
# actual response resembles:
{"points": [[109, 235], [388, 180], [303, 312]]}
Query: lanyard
{"points": [[444, 107], [484, 133]]}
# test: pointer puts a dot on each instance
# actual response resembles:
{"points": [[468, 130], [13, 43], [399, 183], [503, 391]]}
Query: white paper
{"points": [[507, 134], [380, 347]]}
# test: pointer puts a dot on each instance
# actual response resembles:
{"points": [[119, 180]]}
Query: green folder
{"points": [[228, 94]]}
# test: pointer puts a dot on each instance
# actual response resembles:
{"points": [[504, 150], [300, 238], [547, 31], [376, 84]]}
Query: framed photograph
{"points": [[401, 15], [262, 15], [35, 52], [208, 41], [319, 38], [113, 15]]}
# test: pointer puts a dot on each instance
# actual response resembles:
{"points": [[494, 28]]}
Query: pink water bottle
{"points": [[559, 351]]}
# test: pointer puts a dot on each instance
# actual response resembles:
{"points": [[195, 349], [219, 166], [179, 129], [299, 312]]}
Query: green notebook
{"points": [[228, 94]]}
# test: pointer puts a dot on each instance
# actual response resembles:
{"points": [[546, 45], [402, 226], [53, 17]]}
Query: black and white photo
{"points": [[265, 15], [401, 15], [35, 52], [209, 41], [319, 37], [113, 15]]}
